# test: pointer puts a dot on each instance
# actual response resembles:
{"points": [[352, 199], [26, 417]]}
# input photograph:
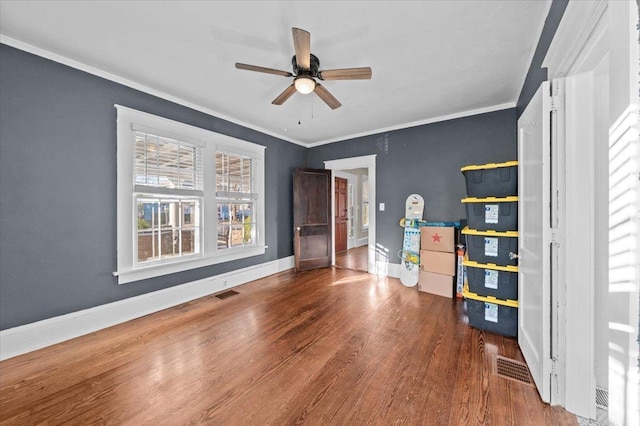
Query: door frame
{"points": [[578, 46], [367, 162], [351, 180]]}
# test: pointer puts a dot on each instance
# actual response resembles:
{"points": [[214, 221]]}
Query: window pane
{"points": [[188, 241], [234, 173], [167, 228], [146, 245], [224, 212], [237, 238], [246, 175], [188, 213], [236, 226], [169, 240], [222, 166], [223, 236], [166, 163], [235, 182]]}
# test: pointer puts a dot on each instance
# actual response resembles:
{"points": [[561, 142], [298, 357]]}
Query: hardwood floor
{"points": [[329, 346], [355, 258]]}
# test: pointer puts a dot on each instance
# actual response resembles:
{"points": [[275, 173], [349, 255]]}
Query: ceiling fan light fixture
{"points": [[304, 84], [306, 69]]}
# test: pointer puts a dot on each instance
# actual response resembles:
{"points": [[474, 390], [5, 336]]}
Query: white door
{"points": [[534, 237]]}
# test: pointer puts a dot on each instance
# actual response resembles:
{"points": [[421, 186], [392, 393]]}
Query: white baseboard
{"points": [[362, 241], [286, 263], [26, 338], [388, 269], [394, 270]]}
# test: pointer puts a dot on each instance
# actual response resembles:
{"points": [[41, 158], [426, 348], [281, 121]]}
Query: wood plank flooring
{"points": [[355, 258], [330, 346]]}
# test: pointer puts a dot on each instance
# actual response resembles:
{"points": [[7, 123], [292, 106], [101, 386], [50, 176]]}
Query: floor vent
{"points": [[602, 398], [226, 294], [512, 370]]}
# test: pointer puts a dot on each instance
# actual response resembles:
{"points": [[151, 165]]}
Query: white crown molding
{"points": [[462, 114], [26, 338], [9, 41]]}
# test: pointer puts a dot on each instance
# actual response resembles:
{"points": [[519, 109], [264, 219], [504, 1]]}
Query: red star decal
{"points": [[436, 238]]}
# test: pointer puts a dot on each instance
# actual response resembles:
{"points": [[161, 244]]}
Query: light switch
{"points": [[381, 207]]}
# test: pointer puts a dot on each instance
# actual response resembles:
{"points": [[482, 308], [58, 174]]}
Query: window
{"points": [[172, 179], [168, 195], [365, 202], [235, 196]]}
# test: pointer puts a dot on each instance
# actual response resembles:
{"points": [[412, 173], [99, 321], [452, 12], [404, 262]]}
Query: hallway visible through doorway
{"points": [[355, 259]]}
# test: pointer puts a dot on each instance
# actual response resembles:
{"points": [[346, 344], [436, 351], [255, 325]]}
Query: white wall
{"points": [[601, 219], [624, 190]]}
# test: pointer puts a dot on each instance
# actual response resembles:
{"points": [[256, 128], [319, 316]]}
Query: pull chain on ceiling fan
{"points": [[306, 69]]}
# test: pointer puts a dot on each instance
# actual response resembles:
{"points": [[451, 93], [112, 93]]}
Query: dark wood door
{"points": [[312, 218], [341, 218]]}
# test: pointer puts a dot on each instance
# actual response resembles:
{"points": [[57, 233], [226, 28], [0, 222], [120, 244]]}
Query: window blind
{"points": [[166, 163], [236, 177]]}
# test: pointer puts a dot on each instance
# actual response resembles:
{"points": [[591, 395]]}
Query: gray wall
{"points": [[58, 188], [426, 160], [58, 179]]}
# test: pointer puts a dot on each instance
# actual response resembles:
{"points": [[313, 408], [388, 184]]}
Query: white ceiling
{"points": [[431, 60]]}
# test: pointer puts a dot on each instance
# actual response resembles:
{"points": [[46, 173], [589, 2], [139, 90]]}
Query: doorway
{"points": [[578, 68], [351, 231], [312, 218], [342, 213], [359, 173]]}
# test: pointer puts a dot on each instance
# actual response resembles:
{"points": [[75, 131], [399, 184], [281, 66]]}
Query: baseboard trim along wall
{"points": [[26, 338], [388, 269]]}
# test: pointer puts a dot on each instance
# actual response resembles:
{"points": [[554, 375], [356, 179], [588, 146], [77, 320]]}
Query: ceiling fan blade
{"points": [[327, 97], [286, 94], [262, 69], [363, 73], [302, 46]]}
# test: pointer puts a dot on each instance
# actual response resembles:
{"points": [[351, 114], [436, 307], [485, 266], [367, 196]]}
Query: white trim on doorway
{"points": [[368, 162], [352, 181], [595, 40]]}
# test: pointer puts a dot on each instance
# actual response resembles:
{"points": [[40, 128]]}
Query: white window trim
{"points": [[130, 119]]}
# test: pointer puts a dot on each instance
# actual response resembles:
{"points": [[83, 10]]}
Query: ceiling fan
{"points": [[306, 71]]}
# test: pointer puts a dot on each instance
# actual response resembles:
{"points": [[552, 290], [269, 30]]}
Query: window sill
{"points": [[128, 276]]}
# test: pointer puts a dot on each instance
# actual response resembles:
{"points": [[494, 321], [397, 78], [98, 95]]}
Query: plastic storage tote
{"points": [[494, 247], [492, 213], [500, 282], [491, 180], [491, 314]]}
